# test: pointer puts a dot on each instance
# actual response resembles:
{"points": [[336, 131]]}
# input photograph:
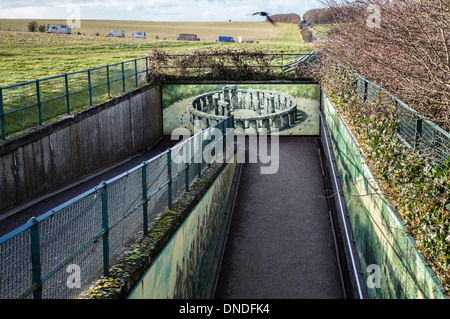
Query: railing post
{"points": [[169, 175], [366, 90], [108, 81], [146, 68], [200, 145], [419, 124], [66, 81], [105, 228], [123, 77], [90, 86], [224, 135], [145, 198], [135, 73], [186, 174], [282, 63], [38, 97], [35, 259], [2, 116]]}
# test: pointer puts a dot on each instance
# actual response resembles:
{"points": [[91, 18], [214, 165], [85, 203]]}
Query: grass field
{"points": [[320, 30], [37, 55]]}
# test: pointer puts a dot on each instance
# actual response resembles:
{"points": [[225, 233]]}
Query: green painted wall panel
{"points": [[380, 234], [182, 269]]}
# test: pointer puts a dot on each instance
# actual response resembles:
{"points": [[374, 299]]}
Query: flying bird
{"points": [[264, 14]]}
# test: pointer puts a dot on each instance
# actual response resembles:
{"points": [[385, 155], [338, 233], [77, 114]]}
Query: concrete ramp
{"points": [[280, 243]]}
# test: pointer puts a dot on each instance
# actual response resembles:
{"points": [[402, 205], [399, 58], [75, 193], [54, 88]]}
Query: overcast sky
{"points": [[152, 10]]}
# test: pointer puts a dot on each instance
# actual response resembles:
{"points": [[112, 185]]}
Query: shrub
{"points": [[32, 26]]}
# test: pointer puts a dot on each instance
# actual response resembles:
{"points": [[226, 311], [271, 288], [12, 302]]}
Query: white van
{"points": [[117, 33], [139, 35]]}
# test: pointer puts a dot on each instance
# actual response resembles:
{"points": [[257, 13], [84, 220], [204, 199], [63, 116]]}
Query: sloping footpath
{"points": [[280, 242]]}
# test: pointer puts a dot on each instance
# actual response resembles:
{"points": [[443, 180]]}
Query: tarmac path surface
{"points": [[280, 243]]}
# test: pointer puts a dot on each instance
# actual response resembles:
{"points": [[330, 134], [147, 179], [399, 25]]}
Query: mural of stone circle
{"points": [[252, 109]]}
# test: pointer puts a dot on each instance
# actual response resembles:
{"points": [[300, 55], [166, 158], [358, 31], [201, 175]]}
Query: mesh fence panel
{"points": [[52, 96], [99, 84], [124, 197], [65, 232], [15, 265], [417, 131], [71, 235]]}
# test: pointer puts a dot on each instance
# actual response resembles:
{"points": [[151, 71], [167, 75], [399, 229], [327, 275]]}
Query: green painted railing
{"points": [[31, 104], [91, 231]]}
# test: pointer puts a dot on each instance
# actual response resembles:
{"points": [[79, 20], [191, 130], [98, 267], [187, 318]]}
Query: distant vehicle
{"points": [[58, 28], [187, 37], [226, 39], [117, 33], [139, 35]]}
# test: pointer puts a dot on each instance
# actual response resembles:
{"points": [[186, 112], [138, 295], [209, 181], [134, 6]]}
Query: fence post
{"points": [[90, 86], [146, 68], [105, 228], [107, 80], [366, 90], [35, 259], [38, 97], [419, 123], [224, 136], [169, 175], [135, 73], [66, 80], [282, 63], [123, 77], [186, 174], [145, 198], [2, 116], [200, 145]]}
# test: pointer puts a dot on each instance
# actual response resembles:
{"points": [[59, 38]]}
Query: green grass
{"points": [[320, 30], [37, 55], [40, 55]]}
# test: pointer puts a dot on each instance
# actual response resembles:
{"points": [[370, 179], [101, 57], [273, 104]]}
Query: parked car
{"points": [[226, 39], [117, 33], [139, 35]]}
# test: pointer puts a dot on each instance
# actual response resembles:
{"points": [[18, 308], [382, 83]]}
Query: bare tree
{"points": [[406, 51]]}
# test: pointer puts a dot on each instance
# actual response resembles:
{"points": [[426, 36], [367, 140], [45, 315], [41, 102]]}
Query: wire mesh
{"points": [[71, 234], [124, 211], [15, 265], [66, 231], [415, 130]]}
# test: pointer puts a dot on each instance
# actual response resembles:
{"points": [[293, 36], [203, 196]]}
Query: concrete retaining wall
{"points": [[56, 154]]}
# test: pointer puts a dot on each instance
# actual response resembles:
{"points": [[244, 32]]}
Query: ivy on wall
{"points": [[418, 191]]}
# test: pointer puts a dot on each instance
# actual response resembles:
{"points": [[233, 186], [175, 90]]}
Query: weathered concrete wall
{"points": [[53, 155]]}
